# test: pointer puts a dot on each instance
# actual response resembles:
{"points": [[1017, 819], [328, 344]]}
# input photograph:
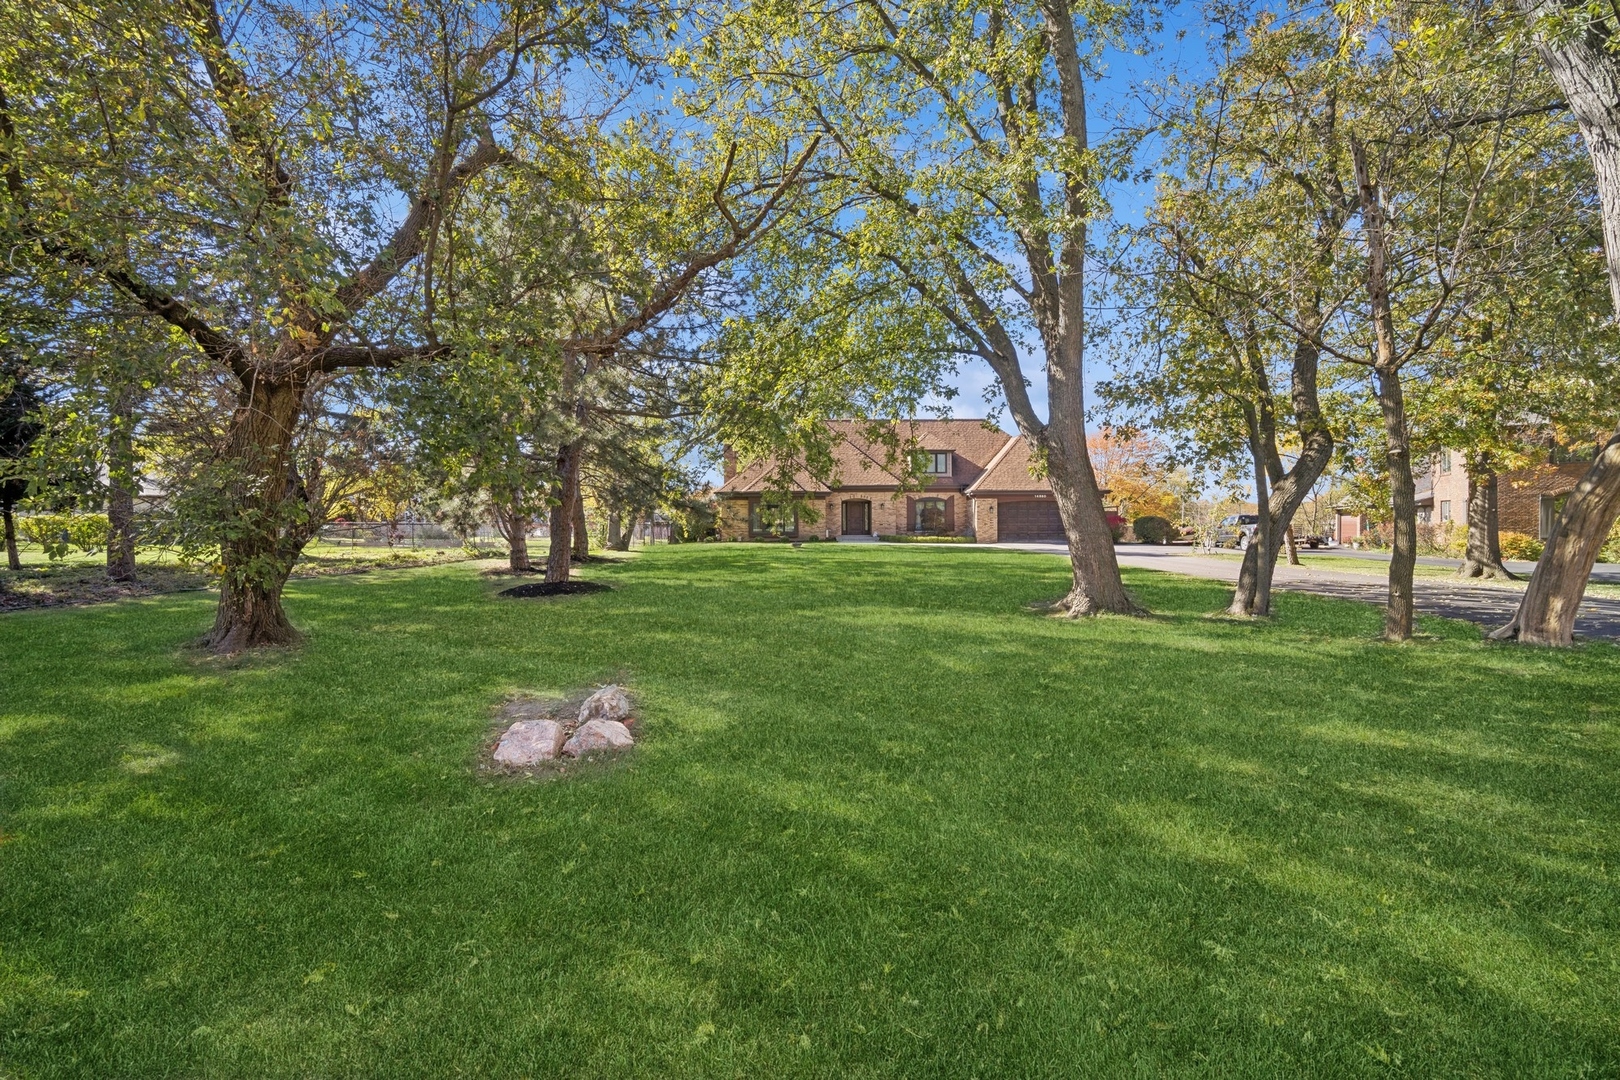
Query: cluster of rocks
{"points": [[603, 725]]}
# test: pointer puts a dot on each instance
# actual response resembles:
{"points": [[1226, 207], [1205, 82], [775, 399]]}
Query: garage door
{"points": [[1029, 519]]}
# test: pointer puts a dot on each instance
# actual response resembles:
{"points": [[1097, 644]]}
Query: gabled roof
{"points": [[1010, 472], [858, 462]]}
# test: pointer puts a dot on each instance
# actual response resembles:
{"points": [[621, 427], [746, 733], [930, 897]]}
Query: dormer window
{"points": [[938, 463]]}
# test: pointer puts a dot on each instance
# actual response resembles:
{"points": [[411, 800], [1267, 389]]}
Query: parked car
{"points": [[1236, 530]]}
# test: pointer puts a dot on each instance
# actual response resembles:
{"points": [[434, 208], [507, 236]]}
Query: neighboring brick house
{"points": [[979, 484], [1528, 500]]}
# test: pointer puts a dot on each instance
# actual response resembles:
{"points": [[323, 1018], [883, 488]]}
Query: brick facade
{"points": [[1450, 481], [886, 514], [1518, 492], [984, 521], [973, 467]]}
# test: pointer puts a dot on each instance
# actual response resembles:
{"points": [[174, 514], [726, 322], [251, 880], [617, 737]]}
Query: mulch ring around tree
{"points": [[555, 588]]}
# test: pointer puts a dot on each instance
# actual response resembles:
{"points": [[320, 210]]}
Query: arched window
{"points": [[930, 515]]}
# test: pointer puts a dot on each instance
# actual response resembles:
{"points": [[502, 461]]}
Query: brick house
{"points": [[979, 484], [1528, 500]]}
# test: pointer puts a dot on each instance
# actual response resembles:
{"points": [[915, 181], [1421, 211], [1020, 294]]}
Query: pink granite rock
{"points": [[529, 741], [608, 703], [599, 735]]}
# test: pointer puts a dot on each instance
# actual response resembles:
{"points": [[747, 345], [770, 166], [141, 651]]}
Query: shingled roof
{"points": [[1010, 473], [859, 463]]}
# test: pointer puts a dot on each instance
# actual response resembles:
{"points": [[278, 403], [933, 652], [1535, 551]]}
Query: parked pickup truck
{"points": [[1236, 530]]}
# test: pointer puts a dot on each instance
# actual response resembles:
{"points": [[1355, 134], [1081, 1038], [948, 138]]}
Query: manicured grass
{"points": [[885, 821]]}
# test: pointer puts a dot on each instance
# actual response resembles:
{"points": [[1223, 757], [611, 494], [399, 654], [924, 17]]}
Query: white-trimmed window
{"points": [[937, 462]]}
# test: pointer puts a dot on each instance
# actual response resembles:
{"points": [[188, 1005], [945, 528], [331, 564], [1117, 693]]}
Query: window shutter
{"points": [[911, 515], [950, 513]]}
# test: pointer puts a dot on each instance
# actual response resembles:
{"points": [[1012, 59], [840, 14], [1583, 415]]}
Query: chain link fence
{"points": [[429, 534]]}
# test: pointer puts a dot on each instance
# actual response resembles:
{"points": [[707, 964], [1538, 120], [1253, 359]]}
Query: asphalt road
{"points": [[1488, 605]]}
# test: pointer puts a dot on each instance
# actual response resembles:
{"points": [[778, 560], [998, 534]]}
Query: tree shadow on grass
{"points": [[885, 812]]}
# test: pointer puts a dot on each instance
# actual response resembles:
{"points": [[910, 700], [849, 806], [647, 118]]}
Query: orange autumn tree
{"points": [[1132, 470]]}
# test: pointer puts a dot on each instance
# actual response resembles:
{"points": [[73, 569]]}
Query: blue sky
{"points": [[1114, 99]]}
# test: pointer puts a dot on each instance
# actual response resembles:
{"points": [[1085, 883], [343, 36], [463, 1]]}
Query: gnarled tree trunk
{"points": [[514, 528], [1289, 489], [1482, 555], [260, 547], [615, 530], [1546, 615], [1587, 70], [517, 548]]}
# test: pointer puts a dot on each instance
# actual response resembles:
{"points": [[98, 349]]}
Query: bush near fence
{"points": [[59, 534]]}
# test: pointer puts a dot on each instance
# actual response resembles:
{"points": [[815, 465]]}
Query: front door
{"points": [[857, 518]]}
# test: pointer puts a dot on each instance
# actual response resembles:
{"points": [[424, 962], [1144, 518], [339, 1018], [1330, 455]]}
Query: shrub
{"points": [[1116, 527], [909, 538], [1151, 529], [1518, 545], [1610, 552], [57, 533], [1448, 538]]}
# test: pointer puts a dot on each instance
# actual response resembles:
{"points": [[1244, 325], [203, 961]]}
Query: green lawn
{"points": [[885, 822]]}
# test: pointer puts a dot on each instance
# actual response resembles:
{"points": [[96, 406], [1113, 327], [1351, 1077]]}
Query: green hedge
{"points": [[907, 538], [1151, 529]]}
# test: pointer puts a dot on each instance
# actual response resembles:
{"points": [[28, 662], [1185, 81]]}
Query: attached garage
{"points": [[1028, 520]]}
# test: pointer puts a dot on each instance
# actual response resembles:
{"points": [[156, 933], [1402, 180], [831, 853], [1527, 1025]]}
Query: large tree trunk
{"points": [[566, 492], [1587, 70], [1096, 586], [121, 489], [120, 532], [13, 558], [1289, 489], [1546, 615], [259, 549], [1403, 504], [1482, 555], [1391, 402], [514, 527], [582, 535], [616, 540]]}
